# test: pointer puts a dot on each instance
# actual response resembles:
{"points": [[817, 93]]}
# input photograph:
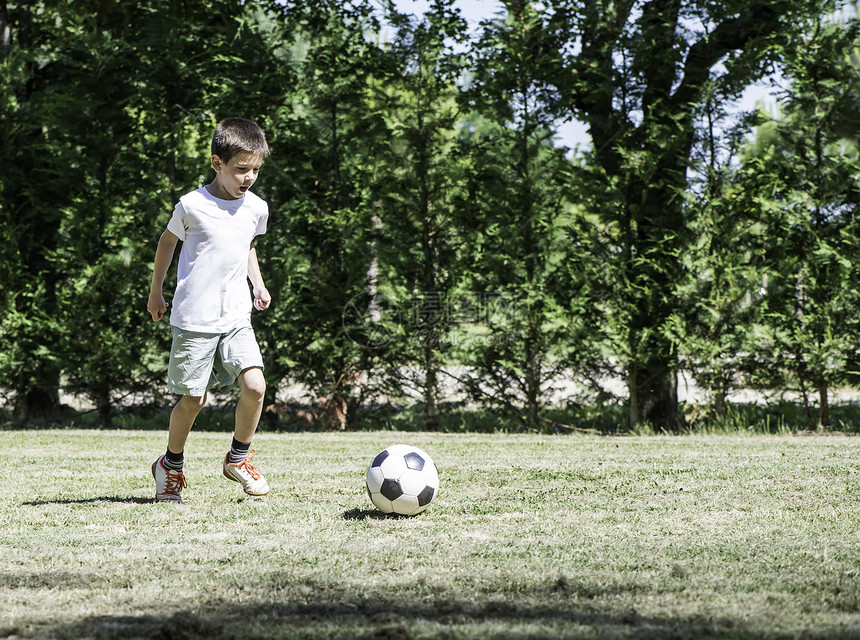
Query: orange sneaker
{"points": [[246, 474], [168, 483]]}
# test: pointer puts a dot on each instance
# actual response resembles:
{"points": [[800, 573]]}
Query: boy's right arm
{"points": [[156, 305]]}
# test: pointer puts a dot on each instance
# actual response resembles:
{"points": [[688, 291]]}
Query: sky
{"points": [[570, 134], [473, 10]]}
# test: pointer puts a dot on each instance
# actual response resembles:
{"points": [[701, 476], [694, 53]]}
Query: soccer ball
{"points": [[402, 479]]}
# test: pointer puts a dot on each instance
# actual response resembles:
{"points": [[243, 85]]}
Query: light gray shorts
{"points": [[201, 361]]}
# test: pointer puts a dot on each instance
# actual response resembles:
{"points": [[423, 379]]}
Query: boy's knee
{"points": [[253, 383]]}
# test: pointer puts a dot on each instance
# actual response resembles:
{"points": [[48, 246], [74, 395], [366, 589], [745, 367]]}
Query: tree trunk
{"points": [[431, 388], [653, 392], [42, 402], [434, 321], [823, 406], [720, 401], [533, 384], [105, 407]]}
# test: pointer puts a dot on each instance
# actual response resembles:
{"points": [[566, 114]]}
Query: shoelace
{"points": [[175, 482], [246, 466]]}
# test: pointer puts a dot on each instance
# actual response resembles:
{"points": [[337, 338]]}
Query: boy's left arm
{"points": [[262, 298]]}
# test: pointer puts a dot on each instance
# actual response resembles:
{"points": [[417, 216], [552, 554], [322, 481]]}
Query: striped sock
{"points": [[238, 451], [174, 461]]}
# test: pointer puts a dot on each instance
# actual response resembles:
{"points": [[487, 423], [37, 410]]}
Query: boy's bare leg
{"points": [[182, 419], [167, 469], [237, 464], [250, 406]]}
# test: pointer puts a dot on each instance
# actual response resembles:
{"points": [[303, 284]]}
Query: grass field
{"points": [[530, 537]]}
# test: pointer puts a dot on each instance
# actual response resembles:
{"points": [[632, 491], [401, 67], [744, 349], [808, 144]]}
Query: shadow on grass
{"points": [[120, 499], [364, 616], [373, 514]]}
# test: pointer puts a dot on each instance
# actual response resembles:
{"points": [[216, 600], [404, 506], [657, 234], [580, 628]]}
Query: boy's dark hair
{"points": [[235, 135]]}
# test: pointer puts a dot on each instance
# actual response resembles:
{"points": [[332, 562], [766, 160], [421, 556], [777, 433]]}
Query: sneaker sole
{"points": [[229, 477]]}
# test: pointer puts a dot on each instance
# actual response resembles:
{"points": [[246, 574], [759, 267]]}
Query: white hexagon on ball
{"points": [[402, 479]]}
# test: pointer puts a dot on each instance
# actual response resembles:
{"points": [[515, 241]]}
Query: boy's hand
{"points": [[262, 299], [156, 306]]}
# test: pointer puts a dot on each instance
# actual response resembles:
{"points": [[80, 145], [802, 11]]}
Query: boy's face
{"points": [[236, 176]]}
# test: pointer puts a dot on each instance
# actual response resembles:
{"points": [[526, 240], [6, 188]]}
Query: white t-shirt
{"points": [[212, 293]]}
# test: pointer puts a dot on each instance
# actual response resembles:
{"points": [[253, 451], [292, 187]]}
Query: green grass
{"points": [[531, 536]]}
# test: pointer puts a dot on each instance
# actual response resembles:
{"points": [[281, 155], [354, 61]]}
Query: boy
{"points": [[213, 342]]}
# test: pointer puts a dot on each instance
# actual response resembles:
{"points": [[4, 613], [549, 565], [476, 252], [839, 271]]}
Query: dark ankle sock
{"points": [[174, 461], [239, 451]]}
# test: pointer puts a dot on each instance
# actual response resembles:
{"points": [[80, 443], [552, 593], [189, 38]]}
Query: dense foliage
{"points": [[431, 243]]}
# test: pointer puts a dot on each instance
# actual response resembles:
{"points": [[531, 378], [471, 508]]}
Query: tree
{"points": [[96, 93], [812, 296], [416, 190], [319, 248], [32, 196], [721, 319], [638, 73], [519, 220]]}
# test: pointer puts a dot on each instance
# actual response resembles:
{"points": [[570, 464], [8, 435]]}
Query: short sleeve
{"points": [[176, 226], [262, 220]]}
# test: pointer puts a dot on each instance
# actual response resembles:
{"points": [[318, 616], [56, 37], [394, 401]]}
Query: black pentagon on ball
{"points": [[391, 489], [426, 496], [378, 460], [414, 461]]}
